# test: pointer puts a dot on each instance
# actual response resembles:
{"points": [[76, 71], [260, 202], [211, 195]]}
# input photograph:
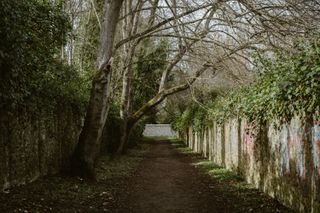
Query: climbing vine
{"points": [[287, 85]]}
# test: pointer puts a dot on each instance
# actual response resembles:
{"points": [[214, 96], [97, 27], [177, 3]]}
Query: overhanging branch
{"points": [[157, 99], [151, 29]]}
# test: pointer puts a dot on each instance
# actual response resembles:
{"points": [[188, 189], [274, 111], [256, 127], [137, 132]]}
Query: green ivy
{"points": [[288, 85], [32, 74], [194, 116]]}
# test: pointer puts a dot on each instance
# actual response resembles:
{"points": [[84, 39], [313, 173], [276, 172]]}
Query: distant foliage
{"points": [[194, 115], [89, 47], [31, 70], [287, 85], [151, 62]]}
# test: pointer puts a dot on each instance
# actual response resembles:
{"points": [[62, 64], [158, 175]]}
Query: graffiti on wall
{"points": [[297, 151], [292, 148], [284, 149], [316, 145], [288, 144], [249, 140], [249, 145]]}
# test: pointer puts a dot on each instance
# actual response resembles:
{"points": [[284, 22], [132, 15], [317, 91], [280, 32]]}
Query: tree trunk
{"points": [[88, 147], [131, 26], [125, 109], [125, 133], [126, 101]]}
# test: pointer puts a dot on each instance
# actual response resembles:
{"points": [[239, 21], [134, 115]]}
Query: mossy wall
{"points": [[282, 161], [34, 146]]}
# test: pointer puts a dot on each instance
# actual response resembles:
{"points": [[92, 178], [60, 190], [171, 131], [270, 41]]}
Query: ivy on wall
{"points": [[287, 85]]}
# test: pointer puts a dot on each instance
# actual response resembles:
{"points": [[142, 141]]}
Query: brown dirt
{"points": [[160, 180], [168, 181]]}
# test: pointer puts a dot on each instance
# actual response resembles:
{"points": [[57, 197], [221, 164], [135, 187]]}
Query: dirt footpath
{"points": [[168, 181], [157, 176]]}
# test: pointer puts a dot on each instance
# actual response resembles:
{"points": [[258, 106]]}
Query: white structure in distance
{"points": [[159, 130]]}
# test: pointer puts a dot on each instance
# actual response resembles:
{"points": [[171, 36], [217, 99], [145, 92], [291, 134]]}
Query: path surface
{"points": [[168, 182], [156, 177]]}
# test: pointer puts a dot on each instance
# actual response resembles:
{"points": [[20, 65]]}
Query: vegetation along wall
{"points": [[42, 97], [31, 147], [282, 161]]}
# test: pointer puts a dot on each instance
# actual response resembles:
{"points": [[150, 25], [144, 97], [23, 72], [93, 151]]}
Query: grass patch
{"points": [[186, 150], [231, 179], [159, 138], [224, 176], [182, 148], [243, 197], [217, 172]]}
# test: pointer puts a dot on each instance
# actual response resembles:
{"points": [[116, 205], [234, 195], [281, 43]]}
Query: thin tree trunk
{"points": [[88, 147], [125, 133], [126, 97], [126, 101]]}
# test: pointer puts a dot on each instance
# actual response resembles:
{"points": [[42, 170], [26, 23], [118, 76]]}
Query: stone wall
{"points": [[35, 146], [282, 161]]}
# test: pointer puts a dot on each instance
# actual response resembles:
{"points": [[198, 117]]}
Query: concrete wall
{"points": [[282, 161], [31, 147], [159, 130]]}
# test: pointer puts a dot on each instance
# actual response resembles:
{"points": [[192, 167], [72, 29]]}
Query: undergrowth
{"points": [[75, 194]]}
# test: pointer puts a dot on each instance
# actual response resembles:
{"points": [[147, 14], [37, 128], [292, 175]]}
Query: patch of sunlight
{"points": [[204, 164], [224, 174], [217, 172], [185, 150]]}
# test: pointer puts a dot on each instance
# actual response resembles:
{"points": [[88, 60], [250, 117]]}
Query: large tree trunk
{"points": [[88, 147]]}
